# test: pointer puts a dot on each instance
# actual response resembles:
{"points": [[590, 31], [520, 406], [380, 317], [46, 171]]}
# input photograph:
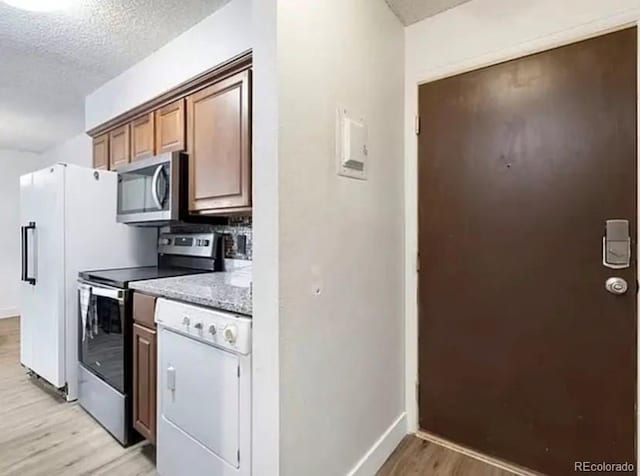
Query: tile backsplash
{"points": [[237, 232]]}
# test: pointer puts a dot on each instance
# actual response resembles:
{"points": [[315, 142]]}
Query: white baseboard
{"points": [[375, 457], [9, 312]]}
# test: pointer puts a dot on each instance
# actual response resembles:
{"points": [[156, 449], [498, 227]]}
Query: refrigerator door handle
{"points": [[25, 253], [23, 235]]}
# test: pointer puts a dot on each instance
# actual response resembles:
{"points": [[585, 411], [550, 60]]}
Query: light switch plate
{"points": [[351, 144]]}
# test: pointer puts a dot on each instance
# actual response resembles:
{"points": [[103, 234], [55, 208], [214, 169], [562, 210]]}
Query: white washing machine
{"points": [[204, 391]]}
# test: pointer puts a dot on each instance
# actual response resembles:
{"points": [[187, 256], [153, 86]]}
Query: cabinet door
{"points": [[101, 152], [170, 127], [142, 137], [218, 126], [144, 381], [119, 147]]}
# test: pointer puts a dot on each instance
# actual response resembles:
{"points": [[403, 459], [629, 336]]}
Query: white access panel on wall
{"points": [[351, 144]]}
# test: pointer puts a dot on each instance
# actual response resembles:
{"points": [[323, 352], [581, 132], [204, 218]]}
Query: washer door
{"points": [[199, 393]]}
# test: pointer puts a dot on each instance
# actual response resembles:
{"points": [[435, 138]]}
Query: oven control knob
{"points": [[186, 321], [212, 329], [164, 241], [198, 325], [230, 334]]}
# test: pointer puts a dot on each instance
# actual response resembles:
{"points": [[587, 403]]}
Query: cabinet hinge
{"points": [[417, 125]]}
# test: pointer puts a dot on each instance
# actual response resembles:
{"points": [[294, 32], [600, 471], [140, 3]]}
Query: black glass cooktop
{"points": [[120, 278]]}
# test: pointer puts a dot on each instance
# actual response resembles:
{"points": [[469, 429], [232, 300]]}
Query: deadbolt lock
{"points": [[616, 245]]}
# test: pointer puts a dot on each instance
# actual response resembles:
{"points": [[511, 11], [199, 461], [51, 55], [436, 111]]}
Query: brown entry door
{"points": [[523, 354]]}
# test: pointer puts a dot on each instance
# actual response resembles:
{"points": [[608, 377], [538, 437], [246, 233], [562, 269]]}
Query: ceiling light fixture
{"points": [[40, 5]]}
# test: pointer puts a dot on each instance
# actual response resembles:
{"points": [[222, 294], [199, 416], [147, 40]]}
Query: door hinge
{"points": [[418, 392], [238, 456], [238, 371], [417, 125], [418, 261]]}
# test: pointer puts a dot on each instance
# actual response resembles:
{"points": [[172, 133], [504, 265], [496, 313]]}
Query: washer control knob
{"points": [[212, 329], [230, 334], [198, 325], [186, 321]]}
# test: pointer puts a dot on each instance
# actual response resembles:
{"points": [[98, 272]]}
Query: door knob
{"points": [[616, 285]]}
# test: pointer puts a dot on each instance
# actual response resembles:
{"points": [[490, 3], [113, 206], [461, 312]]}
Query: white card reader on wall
{"points": [[351, 144], [616, 245]]}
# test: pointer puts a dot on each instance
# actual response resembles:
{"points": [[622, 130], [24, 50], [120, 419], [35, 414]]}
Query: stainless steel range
{"points": [[105, 350]]}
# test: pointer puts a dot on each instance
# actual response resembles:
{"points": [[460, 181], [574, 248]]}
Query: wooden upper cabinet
{"points": [[219, 140], [170, 127], [143, 136], [101, 152], [119, 147]]}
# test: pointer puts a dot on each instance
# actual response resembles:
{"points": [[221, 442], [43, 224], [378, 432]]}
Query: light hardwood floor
{"points": [[416, 457], [41, 435]]}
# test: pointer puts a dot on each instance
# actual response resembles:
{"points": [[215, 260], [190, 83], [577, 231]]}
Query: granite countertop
{"points": [[226, 290]]}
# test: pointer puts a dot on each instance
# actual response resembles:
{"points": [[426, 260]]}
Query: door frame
{"points": [[582, 32]]}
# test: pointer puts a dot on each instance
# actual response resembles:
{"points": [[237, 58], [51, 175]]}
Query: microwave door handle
{"points": [[154, 187]]}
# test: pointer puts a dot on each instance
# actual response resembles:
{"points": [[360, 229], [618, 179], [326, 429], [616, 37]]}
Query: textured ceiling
{"points": [[50, 61], [411, 11]]}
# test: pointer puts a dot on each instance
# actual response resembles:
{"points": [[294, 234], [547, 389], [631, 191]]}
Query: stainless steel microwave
{"points": [[151, 192]]}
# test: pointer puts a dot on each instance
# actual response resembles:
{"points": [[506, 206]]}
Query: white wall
{"points": [[77, 150], [266, 386], [219, 37], [13, 164], [470, 36], [341, 240]]}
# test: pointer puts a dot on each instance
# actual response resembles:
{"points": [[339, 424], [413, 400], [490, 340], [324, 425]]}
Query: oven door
{"points": [[149, 190], [102, 333]]}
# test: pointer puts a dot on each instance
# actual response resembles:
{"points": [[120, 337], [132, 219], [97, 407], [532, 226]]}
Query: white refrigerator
{"points": [[68, 225]]}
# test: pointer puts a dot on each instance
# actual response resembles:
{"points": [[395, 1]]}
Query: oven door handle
{"points": [[116, 294], [154, 187]]}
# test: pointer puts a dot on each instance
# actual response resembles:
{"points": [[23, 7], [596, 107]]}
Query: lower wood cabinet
{"points": [[144, 369]]}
